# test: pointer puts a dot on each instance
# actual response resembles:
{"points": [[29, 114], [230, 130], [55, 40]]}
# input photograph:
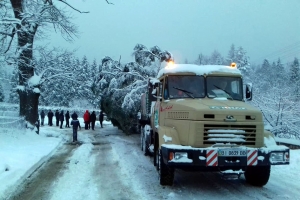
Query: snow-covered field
{"points": [[22, 152]]}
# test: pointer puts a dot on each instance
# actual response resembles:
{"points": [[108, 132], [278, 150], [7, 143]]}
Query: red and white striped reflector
{"points": [[212, 158], [252, 157]]}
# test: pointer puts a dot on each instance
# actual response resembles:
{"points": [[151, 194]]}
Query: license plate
{"points": [[232, 152]]}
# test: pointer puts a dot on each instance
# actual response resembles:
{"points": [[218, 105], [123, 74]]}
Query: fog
{"points": [[264, 28]]}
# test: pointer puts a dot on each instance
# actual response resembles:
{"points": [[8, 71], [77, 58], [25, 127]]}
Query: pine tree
{"points": [[295, 79], [59, 90], [294, 71], [231, 55], [279, 75], [94, 93], [84, 77], [242, 60], [262, 77], [76, 68], [200, 60], [216, 58]]}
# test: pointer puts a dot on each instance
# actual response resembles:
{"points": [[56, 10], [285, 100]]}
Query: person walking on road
{"points": [[93, 119], [75, 123], [42, 117], [101, 116], [74, 115], [67, 116], [89, 124], [61, 118], [57, 117], [86, 118], [50, 116]]}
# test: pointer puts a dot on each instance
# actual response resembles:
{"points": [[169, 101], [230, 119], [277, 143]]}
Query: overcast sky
{"points": [[186, 28]]}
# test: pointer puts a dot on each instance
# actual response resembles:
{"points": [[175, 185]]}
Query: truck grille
{"points": [[234, 134], [178, 115]]}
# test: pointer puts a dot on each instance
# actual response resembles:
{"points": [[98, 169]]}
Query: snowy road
{"points": [[110, 165]]}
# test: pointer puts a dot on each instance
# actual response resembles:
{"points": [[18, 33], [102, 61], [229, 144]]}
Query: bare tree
{"points": [[20, 21]]}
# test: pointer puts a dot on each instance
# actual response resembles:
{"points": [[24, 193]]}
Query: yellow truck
{"points": [[195, 117]]}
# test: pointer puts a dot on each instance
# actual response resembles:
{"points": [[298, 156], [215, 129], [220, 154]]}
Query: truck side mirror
{"points": [[248, 92], [160, 89], [157, 94]]}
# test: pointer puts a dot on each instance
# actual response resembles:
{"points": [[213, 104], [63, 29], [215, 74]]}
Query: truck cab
{"points": [[199, 120]]}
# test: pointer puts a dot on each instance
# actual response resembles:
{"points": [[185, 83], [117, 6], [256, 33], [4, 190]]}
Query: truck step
{"points": [[231, 174]]}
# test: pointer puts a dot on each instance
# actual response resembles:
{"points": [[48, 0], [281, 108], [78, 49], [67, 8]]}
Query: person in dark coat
{"points": [[93, 119], [61, 118], [101, 116], [74, 115], [89, 123], [86, 118], [67, 116], [50, 116], [42, 117], [57, 117], [75, 123]]}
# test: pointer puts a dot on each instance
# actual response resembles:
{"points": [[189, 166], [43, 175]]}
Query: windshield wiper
{"points": [[230, 97], [190, 94]]}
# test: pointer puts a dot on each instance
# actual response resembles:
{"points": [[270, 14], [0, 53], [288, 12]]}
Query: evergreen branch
{"points": [[110, 73], [135, 73]]}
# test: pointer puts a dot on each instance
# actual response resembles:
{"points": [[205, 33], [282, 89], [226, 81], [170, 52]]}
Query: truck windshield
{"points": [[187, 86], [226, 87]]}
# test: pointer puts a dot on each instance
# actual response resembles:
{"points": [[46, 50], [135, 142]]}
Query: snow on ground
{"points": [[81, 166], [22, 152]]}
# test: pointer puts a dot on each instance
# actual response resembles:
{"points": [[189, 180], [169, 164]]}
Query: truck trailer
{"points": [[195, 117]]}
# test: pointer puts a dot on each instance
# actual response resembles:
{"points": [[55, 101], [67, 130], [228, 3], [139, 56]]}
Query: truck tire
{"points": [[258, 175], [166, 174], [155, 153], [157, 160], [146, 150], [142, 138], [144, 143]]}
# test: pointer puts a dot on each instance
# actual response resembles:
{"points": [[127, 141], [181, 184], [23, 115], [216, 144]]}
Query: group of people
{"points": [[89, 120], [59, 116]]}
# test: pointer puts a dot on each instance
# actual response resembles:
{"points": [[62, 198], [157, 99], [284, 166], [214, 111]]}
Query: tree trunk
{"points": [[26, 32], [29, 102]]}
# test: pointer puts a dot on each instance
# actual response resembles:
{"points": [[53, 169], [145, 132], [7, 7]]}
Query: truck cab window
{"points": [[226, 87], [166, 89], [186, 86]]}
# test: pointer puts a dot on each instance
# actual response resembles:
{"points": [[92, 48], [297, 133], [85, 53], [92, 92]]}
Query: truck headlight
{"points": [[179, 155], [276, 157]]}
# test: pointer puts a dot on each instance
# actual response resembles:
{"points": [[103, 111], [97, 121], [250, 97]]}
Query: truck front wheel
{"points": [[166, 174], [144, 143], [156, 151], [142, 138], [258, 175]]}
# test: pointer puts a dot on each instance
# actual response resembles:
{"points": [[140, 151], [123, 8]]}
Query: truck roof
{"points": [[197, 69]]}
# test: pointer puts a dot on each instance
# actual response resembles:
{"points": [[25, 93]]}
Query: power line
{"points": [[286, 52]]}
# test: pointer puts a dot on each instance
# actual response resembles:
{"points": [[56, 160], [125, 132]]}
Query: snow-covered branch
{"points": [[73, 7]]}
